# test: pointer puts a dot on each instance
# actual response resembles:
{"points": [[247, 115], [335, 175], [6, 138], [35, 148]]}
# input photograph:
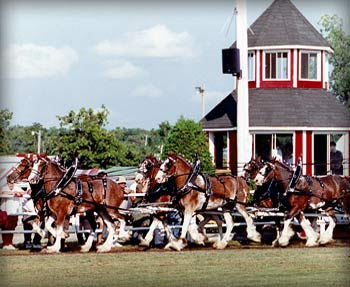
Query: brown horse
{"points": [[19, 173], [94, 195], [307, 192], [251, 168], [261, 197], [155, 194], [196, 191], [158, 193]]}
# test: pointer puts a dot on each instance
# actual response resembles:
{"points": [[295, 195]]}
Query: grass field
{"points": [[231, 267]]}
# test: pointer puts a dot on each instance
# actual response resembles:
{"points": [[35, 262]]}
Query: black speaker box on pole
{"points": [[230, 62]]}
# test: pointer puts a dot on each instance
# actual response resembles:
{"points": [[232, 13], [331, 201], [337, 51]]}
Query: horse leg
{"points": [[181, 242], [204, 220], [48, 226], [59, 234], [88, 244], [278, 232], [222, 243], [252, 234], [197, 237], [145, 242], [168, 231], [123, 234], [327, 235], [219, 224], [287, 232], [311, 235], [36, 227]]}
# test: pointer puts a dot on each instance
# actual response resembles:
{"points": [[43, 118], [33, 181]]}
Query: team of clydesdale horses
{"points": [[178, 183]]}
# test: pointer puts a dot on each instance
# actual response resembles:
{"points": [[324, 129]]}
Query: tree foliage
{"points": [[340, 58], [5, 143], [83, 135], [187, 138]]}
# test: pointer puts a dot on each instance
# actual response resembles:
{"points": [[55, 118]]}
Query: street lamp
{"points": [[201, 91], [39, 139]]}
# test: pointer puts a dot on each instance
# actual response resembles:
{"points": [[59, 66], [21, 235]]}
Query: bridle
{"points": [[41, 174], [18, 173], [250, 166], [274, 176], [172, 163]]}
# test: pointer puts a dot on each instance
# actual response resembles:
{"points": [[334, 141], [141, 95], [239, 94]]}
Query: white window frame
{"points": [[318, 65], [274, 140], [254, 60], [288, 63]]}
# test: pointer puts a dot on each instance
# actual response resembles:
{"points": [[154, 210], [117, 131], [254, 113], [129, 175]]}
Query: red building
{"points": [[291, 111]]}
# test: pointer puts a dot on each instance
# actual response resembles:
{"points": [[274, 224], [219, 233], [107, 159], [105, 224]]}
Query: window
{"points": [[308, 65], [251, 66], [276, 65], [275, 145]]}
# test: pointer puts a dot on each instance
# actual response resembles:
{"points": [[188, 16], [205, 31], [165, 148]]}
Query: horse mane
{"points": [[181, 157], [151, 156], [284, 165], [56, 164]]}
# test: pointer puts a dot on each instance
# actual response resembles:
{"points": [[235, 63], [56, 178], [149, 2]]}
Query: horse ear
{"points": [[273, 160], [258, 159], [172, 154]]}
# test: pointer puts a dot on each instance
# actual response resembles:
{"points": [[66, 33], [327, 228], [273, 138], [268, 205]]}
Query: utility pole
{"points": [[201, 91], [244, 144], [39, 139]]}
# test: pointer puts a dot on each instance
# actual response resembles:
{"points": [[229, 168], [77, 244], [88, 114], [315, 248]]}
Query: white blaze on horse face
{"points": [[259, 178], [161, 175], [33, 178], [143, 168]]}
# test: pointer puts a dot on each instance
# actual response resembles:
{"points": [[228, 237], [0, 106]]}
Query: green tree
{"points": [[187, 138], [5, 143], [340, 58], [85, 137], [23, 140]]}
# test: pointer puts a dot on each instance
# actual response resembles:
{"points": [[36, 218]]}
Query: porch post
{"points": [[243, 139]]}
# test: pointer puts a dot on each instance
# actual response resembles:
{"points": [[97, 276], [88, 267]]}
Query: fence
{"points": [[13, 205]]}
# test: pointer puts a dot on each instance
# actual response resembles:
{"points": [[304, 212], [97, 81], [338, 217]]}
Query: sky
{"points": [[141, 59]]}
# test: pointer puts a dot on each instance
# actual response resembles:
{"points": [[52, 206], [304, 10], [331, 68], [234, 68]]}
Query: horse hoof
{"points": [[283, 243], [84, 250], [143, 242], [221, 244], [174, 245], [324, 241], [116, 244], [51, 249], [275, 243], [313, 243], [200, 242], [255, 238], [167, 247], [102, 249]]}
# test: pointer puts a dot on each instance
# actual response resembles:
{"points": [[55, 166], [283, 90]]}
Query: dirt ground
{"points": [[238, 265]]}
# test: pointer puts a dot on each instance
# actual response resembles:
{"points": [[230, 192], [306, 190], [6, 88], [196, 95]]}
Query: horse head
{"points": [[38, 170], [265, 173], [19, 172], [147, 165], [167, 168], [147, 171], [251, 168]]}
